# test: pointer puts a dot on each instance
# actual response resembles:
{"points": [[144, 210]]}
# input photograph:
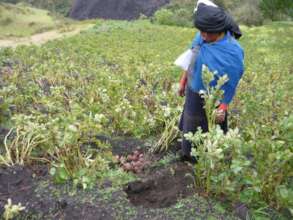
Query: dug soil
{"points": [[159, 192], [162, 188]]}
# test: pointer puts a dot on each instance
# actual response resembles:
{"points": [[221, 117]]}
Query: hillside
{"points": [[56, 6], [114, 9], [20, 20], [83, 9], [41, 38]]}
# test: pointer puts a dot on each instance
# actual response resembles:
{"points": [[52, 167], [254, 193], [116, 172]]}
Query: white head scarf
{"points": [[206, 2]]}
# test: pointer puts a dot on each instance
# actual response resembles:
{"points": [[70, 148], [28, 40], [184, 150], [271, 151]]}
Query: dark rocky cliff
{"points": [[114, 9]]}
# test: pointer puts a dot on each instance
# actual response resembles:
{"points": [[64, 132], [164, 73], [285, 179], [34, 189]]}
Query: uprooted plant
{"points": [[169, 134], [20, 142]]}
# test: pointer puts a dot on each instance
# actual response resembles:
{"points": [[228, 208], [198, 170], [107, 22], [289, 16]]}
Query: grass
{"points": [[21, 21]]}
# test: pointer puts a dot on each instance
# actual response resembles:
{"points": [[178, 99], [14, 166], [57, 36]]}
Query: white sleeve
{"points": [[184, 59]]}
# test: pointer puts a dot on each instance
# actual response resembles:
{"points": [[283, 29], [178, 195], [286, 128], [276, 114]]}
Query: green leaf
{"points": [[284, 192], [63, 174], [52, 171], [220, 208]]}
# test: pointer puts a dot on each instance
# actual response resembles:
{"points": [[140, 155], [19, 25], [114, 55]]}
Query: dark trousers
{"points": [[193, 116]]}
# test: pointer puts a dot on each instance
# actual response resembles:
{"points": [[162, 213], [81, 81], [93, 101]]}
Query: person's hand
{"points": [[221, 113], [220, 116], [182, 85], [181, 90]]}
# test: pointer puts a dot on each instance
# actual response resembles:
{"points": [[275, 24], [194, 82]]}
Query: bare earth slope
{"points": [[41, 38], [114, 9]]}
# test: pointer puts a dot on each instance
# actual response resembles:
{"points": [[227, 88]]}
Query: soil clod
{"points": [[163, 188]]}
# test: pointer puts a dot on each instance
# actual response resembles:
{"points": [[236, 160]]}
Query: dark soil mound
{"points": [[163, 188], [15, 183], [125, 146], [18, 184], [159, 188], [31, 188], [114, 9]]}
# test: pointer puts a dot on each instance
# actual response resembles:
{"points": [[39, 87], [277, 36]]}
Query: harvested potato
{"points": [[127, 167]]}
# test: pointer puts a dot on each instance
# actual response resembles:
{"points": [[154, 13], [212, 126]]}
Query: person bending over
{"points": [[217, 48]]}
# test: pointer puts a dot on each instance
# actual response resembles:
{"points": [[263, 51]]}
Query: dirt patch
{"points": [[114, 9], [158, 191], [17, 183], [86, 211], [162, 188], [24, 185], [124, 146], [155, 196], [42, 38]]}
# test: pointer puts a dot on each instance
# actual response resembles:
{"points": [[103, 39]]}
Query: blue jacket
{"points": [[221, 57]]}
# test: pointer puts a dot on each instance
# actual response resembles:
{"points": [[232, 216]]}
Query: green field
{"points": [[21, 21], [118, 80]]}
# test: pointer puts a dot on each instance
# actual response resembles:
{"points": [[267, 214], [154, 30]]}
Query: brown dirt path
{"points": [[42, 38]]}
